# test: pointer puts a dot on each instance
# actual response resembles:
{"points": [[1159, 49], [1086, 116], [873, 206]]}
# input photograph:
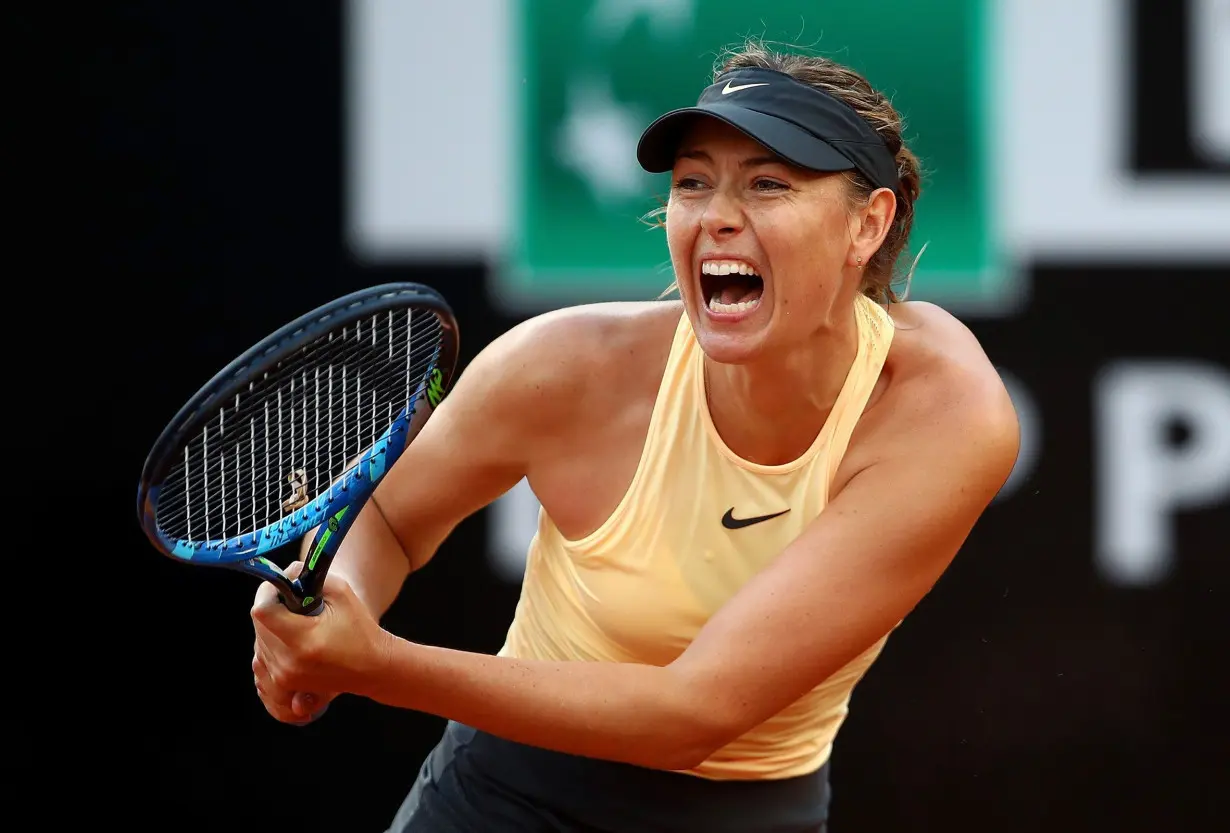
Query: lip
{"points": [[728, 317]]}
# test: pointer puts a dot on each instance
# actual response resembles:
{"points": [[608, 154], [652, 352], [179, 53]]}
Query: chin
{"points": [[726, 343]]}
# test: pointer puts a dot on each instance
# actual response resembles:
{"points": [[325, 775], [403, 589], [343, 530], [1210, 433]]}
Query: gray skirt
{"points": [[474, 782]]}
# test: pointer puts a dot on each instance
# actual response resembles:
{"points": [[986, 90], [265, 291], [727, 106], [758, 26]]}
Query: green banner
{"points": [[593, 73]]}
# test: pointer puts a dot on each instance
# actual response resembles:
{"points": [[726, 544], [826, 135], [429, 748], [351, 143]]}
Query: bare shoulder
{"points": [[933, 349], [567, 364], [565, 347], [939, 394]]}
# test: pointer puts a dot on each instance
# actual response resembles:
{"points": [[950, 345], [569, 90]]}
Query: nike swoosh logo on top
{"points": [[731, 522], [728, 89]]}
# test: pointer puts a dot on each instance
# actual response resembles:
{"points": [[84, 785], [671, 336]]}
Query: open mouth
{"points": [[730, 287]]}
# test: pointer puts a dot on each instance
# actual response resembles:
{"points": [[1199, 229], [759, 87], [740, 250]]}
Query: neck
{"points": [[770, 411]]}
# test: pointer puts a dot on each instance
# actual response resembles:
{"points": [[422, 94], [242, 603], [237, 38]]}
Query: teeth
{"points": [[742, 306], [726, 267]]}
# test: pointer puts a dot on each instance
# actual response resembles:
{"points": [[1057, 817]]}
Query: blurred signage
{"points": [[594, 74], [1060, 131]]}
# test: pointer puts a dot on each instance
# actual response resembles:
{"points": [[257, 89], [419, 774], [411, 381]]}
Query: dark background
{"points": [[1026, 693]]}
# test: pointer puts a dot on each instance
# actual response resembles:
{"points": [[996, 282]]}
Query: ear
{"points": [[869, 226]]}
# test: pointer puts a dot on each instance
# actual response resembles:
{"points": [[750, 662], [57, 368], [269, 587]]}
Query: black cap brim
{"points": [[659, 143]]}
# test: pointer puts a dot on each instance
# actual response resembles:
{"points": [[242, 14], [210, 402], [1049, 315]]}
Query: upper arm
{"points": [[481, 439], [861, 566]]}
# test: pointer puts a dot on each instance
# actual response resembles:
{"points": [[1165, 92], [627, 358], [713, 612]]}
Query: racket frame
{"points": [[333, 511]]}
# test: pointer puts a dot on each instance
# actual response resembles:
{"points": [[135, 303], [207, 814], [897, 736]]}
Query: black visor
{"points": [[799, 123]]}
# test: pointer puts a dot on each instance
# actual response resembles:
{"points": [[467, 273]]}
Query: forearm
{"points": [[638, 714], [370, 559]]}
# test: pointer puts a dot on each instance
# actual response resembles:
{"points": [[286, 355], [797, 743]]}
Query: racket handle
{"points": [[316, 715], [310, 606]]}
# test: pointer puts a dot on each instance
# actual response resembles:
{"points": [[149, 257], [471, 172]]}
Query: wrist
{"points": [[379, 673]]}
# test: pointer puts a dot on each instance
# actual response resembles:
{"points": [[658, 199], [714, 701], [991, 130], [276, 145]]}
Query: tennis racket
{"points": [[295, 434]]}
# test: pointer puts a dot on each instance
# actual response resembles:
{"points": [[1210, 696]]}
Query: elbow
{"points": [[697, 720], [700, 731]]}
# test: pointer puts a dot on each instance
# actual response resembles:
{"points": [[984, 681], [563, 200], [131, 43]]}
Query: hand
{"points": [[286, 705], [295, 707], [325, 654]]}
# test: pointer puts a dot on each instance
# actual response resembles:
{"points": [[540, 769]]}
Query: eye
{"points": [[688, 183], [769, 185]]}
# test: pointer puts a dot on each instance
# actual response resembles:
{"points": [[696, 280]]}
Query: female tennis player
{"points": [[744, 492]]}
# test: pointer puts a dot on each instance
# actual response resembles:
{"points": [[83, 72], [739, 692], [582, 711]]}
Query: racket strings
{"points": [[318, 390], [322, 444], [286, 439], [369, 394], [304, 387]]}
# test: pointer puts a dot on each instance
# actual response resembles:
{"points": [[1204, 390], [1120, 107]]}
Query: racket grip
{"points": [[311, 606], [316, 715]]}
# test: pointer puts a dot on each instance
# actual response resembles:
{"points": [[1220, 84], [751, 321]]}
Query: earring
{"points": [[859, 260]]}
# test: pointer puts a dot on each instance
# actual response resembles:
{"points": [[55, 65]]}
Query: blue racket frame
{"points": [[332, 512]]}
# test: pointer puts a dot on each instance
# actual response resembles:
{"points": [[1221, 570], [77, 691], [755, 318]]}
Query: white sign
{"points": [[1210, 59], [1066, 194]]}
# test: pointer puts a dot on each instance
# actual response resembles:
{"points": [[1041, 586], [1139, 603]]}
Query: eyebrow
{"points": [[752, 162]]}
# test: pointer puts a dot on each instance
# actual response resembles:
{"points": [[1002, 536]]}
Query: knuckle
{"points": [[276, 708], [285, 678]]}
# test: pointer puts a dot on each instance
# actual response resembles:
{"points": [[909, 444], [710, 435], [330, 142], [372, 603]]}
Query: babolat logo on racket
{"points": [[331, 528], [435, 387], [299, 490]]}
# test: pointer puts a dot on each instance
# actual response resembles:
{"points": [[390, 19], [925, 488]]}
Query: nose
{"points": [[723, 215]]}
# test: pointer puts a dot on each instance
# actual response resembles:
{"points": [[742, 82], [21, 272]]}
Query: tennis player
{"points": [[744, 492]]}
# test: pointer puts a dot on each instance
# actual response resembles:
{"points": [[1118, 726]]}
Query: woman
{"points": [[743, 493]]}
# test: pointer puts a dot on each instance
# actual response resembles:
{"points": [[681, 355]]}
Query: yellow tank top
{"points": [[640, 587]]}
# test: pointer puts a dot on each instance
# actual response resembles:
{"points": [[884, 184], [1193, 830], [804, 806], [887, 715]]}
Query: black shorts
{"points": [[473, 782]]}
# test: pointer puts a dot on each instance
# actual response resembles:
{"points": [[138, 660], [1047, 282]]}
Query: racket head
{"points": [[387, 354]]}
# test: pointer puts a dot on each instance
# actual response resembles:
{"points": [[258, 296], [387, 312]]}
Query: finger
{"points": [[304, 704], [266, 601], [282, 705], [277, 701], [301, 705], [271, 622], [278, 709], [268, 689], [265, 684], [265, 662], [307, 705], [273, 694]]}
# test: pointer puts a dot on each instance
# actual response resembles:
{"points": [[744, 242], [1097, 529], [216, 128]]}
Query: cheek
{"points": [[808, 264], [680, 242], [679, 225]]}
